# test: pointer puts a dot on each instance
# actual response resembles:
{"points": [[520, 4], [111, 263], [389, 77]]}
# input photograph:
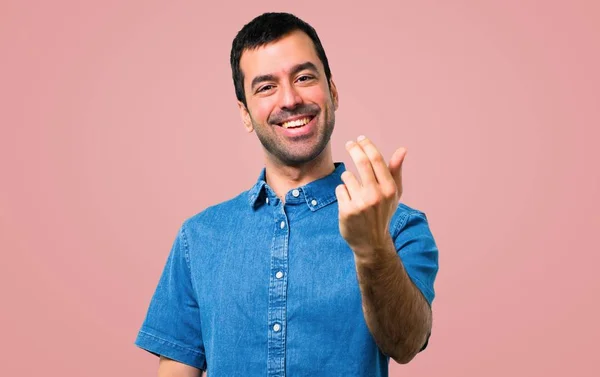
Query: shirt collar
{"points": [[317, 193]]}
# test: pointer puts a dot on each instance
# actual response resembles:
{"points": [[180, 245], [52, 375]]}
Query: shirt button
{"points": [[282, 225], [314, 202], [276, 327], [267, 200], [279, 275], [296, 193]]}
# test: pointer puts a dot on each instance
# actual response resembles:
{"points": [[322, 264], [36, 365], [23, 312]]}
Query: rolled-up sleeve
{"points": [[171, 327]]}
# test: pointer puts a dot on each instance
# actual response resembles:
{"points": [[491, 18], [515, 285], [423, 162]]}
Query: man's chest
{"points": [[294, 272]]}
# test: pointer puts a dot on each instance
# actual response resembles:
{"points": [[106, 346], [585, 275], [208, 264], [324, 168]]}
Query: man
{"points": [[313, 271]]}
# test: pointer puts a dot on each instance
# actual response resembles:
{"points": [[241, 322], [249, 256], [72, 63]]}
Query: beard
{"points": [[303, 149]]}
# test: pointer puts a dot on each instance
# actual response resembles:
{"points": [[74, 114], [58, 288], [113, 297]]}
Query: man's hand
{"points": [[367, 206]]}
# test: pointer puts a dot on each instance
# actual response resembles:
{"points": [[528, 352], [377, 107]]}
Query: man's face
{"points": [[290, 104]]}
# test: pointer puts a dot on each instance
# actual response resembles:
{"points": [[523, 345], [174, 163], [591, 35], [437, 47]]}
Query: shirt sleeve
{"points": [[171, 327], [418, 251]]}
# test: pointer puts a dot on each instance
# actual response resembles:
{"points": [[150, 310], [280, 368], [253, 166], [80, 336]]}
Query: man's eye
{"points": [[263, 88], [304, 78]]}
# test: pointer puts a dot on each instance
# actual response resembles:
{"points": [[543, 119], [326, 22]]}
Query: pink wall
{"points": [[119, 120]]}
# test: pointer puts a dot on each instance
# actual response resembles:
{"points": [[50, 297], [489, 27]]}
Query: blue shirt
{"points": [[253, 287]]}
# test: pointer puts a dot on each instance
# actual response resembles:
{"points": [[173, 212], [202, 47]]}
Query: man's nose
{"points": [[290, 98]]}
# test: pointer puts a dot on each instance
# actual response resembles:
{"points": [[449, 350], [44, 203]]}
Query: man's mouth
{"points": [[296, 123]]}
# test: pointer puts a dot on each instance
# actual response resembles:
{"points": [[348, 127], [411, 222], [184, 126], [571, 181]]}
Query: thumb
{"points": [[395, 167]]}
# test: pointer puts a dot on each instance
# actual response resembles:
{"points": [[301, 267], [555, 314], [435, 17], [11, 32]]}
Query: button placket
{"points": [[278, 295]]}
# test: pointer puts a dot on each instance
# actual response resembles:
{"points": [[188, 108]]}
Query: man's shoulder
{"points": [[404, 209], [403, 213], [220, 210]]}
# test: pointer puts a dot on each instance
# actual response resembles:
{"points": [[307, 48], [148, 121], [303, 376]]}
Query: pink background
{"points": [[118, 121]]}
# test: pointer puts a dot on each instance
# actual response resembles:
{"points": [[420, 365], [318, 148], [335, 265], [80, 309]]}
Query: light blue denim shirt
{"points": [[253, 287]]}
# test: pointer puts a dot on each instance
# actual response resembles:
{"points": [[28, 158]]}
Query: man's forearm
{"points": [[395, 311], [171, 368]]}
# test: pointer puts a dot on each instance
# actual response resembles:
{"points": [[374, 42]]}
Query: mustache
{"points": [[307, 110]]}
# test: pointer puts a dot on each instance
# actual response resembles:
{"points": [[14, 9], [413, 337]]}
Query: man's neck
{"points": [[283, 178]]}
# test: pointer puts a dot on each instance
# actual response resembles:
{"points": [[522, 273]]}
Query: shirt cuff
{"points": [[162, 347]]}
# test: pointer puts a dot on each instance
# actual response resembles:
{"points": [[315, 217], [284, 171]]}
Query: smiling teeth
{"points": [[296, 123]]}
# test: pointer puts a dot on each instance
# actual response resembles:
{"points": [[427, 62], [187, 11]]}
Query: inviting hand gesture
{"points": [[366, 206]]}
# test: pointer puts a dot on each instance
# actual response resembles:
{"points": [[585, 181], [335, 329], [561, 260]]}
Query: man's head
{"points": [[265, 29], [281, 73]]}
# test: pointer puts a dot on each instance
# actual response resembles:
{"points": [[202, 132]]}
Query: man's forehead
{"points": [[279, 56]]}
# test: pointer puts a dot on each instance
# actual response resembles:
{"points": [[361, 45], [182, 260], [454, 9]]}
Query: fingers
{"points": [[353, 186], [378, 165], [362, 162], [371, 166], [342, 194]]}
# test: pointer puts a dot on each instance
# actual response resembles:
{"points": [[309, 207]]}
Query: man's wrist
{"points": [[375, 255]]}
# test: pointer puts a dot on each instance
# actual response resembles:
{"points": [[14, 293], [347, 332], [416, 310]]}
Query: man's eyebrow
{"points": [[258, 79], [295, 69], [301, 67]]}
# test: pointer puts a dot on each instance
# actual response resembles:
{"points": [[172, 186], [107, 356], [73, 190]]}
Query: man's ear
{"points": [[245, 115], [334, 94]]}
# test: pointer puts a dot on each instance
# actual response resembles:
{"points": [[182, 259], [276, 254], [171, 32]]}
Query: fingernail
{"points": [[349, 143], [361, 138]]}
